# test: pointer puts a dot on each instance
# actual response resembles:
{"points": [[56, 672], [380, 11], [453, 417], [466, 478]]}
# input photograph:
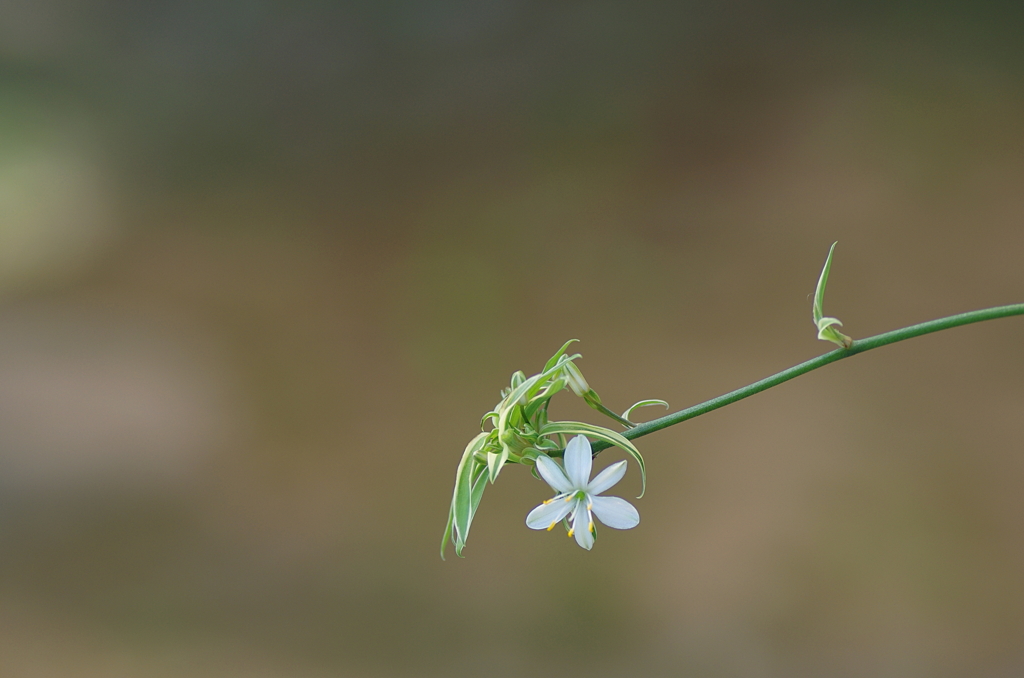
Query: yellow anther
{"points": [[552, 525], [547, 501], [590, 506], [571, 530], [591, 527], [569, 498]]}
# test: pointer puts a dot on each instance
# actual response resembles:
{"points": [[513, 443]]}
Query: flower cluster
{"points": [[518, 431]]}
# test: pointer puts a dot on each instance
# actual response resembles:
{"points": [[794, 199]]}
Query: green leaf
{"points": [[827, 332], [542, 418], [643, 403], [541, 398], [826, 323], [522, 393], [819, 292], [551, 373], [554, 359], [479, 484], [460, 515], [530, 454], [546, 445], [826, 326], [607, 435], [466, 511], [495, 462], [493, 416], [447, 531], [511, 401]]}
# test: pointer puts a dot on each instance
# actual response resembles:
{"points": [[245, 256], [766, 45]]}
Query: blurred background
{"points": [[264, 265]]}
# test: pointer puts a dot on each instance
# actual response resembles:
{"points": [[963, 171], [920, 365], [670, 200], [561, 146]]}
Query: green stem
{"points": [[605, 411], [859, 346]]}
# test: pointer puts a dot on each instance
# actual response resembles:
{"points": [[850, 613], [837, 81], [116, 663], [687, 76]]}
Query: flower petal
{"points": [[578, 461], [544, 515], [553, 474], [615, 512], [581, 526], [607, 478]]}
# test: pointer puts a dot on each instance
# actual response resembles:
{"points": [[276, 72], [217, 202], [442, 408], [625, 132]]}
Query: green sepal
{"points": [[607, 435]]}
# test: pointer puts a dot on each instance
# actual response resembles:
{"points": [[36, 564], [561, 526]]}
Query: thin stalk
{"points": [[859, 346], [605, 411]]}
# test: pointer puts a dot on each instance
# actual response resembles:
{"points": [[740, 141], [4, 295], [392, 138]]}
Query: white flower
{"points": [[578, 495]]}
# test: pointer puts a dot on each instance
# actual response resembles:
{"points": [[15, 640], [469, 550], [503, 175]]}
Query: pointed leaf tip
{"points": [[827, 326], [819, 291]]}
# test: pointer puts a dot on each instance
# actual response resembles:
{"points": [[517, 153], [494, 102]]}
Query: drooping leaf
{"points": [[460, 513], [447, 530], [479, 484]]}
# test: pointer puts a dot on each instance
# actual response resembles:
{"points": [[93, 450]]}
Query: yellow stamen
{"points": [[590, 506], [591, 527], [569, 498], [571, 529], [547, 501], [552, 525]]}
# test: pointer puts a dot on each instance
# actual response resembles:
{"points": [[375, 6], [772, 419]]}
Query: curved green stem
{"points": [[859, 346]]}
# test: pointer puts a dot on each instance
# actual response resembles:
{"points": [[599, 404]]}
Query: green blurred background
{"points": [[264, 265]]}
